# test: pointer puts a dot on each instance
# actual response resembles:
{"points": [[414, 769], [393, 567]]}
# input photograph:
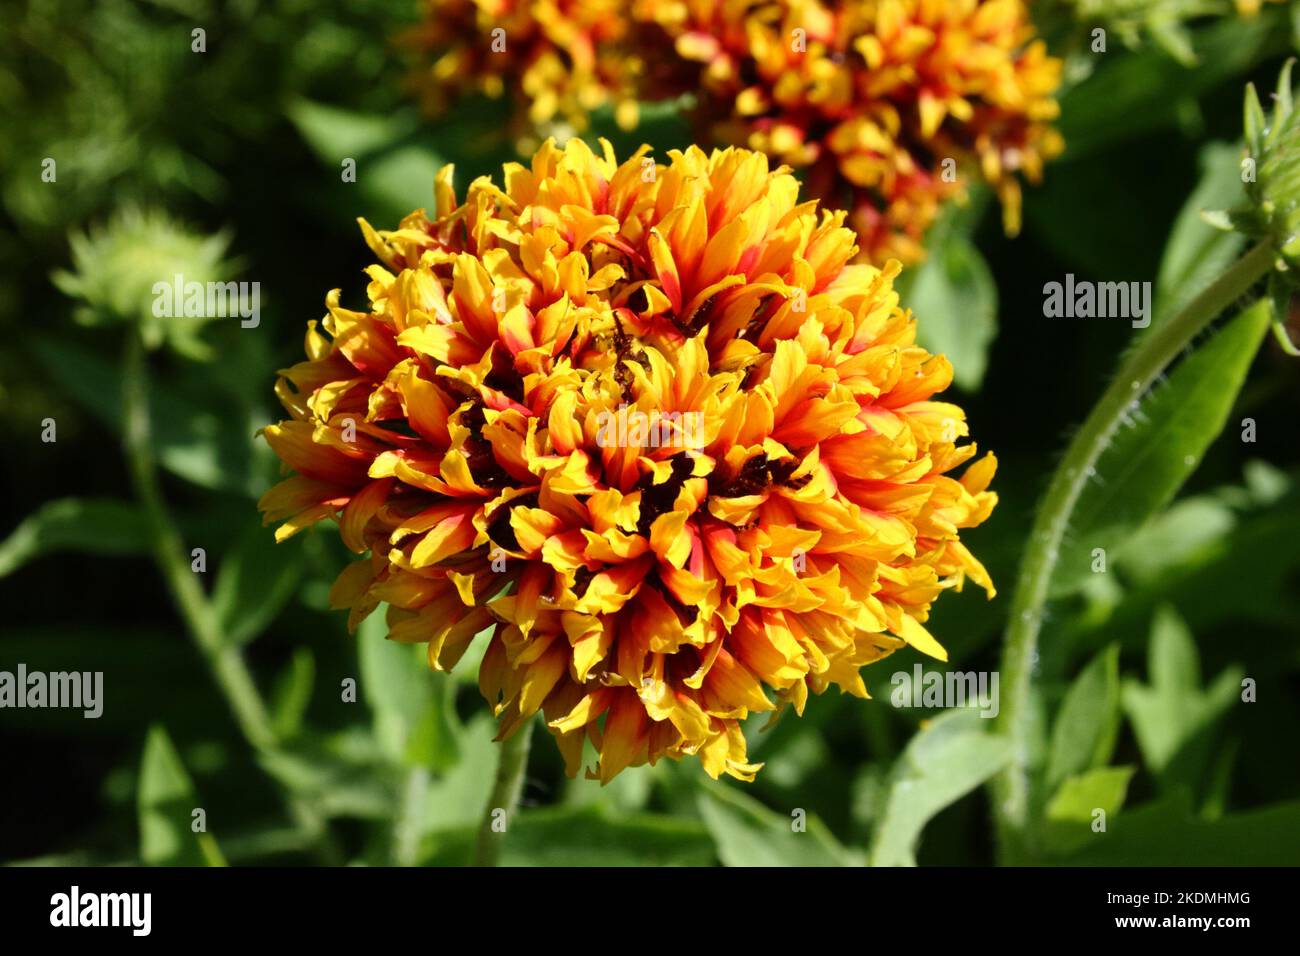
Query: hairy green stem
{"points": [[223, 658], [512, 762], [1137, 373]]}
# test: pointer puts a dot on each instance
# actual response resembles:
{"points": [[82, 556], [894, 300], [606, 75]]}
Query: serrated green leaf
{"points": [[947, 759], [88, 525], [1282, 102], [166, 804]]}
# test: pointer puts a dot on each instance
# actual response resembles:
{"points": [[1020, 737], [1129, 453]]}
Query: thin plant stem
{"points": [[1137, 373], [512, 763], [223, 658]]}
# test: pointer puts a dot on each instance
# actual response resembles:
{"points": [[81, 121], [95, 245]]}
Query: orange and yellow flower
{"points": [[653, 431], [889, 105], [873, 97]]}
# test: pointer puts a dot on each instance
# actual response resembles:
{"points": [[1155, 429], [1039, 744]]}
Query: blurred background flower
{"points": [[117, 269], [888, 107]]}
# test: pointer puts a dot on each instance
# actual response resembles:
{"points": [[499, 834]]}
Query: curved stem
{"points": [[223, 658], [1138, 371], [169, 551], [512, 761]]}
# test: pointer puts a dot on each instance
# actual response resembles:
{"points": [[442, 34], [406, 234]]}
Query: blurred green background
{"points": [[227, 162]]}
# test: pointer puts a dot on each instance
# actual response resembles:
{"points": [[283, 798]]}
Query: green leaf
{"points": [[336, 134], [1083, 191], [254, 582], [597, 836], [1225, 559], [1174, 38], [955, 301], [292, 694], [352, 783], [397, 182], [1078, 796], [594, 835], [89, 525], [1149, 459], [1171, 713], [433, 738], [166, 804], [396, 160], [629, 792], [746, 833], [1196, 252], [947, 759], [587, 835], [1173, 662], [457, 797], [1134, 95], [1072, 812], [1084, 734], [1177, 536], [412, 706], [1166, 833]]}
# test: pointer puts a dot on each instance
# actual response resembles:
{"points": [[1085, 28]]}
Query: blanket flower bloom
{"points": [[888, 105], [882, 101], [652, 430]]}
